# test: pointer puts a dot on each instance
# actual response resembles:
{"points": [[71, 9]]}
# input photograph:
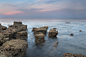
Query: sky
{"points": [[53, 9]]}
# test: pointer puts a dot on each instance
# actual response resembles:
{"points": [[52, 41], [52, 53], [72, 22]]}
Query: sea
{"points": [[75, 44]]}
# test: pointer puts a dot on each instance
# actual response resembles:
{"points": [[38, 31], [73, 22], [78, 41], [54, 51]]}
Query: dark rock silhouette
{"points": [[71, 34]]}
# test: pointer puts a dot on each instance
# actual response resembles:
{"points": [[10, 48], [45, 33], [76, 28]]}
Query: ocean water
{"points": [[72, 44]]}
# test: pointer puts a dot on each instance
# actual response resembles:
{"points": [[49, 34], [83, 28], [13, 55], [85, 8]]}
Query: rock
{"points": [[42, 30], [67, 22], [3, 28], [54, 28], [39, 38], [22, 35], [14, 48], [56, 44], [52, 33], [71, 34], [3, 40], [13, 30], [5, 54], [80, 31], [17, 23], [33, 29], [44, 27], [73, 55], [24, 27]]}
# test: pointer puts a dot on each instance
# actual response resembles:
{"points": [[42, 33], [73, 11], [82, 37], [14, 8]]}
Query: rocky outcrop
{"points": [[13, 30], [40, 29], [52, 33], [73, 55], [39, 38], [3, 40], [13, 48], [40, 34], [17, 23], [44, 27], [22, 35], [33, 29], [10, 43], [2, 28]]}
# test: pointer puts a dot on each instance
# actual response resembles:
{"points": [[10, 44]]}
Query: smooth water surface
{"points": [[73, 44]]}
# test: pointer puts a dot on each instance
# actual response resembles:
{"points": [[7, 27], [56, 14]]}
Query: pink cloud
{"points": [[13, 12], [1, 9]]}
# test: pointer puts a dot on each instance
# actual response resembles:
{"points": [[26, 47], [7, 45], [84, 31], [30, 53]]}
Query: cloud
{"points": [[44, 9], [57, 6], [13, 12]]}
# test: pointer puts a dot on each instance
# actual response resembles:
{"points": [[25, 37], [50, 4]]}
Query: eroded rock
{"points": [[3, 40], [13, 30], [39, 38], [73, 55], [40, 29], [2, 28], [52, 33], [21, 35], [14, 48]]}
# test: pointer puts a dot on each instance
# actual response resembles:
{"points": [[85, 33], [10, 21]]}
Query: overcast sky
{"points": [[64, 9]]}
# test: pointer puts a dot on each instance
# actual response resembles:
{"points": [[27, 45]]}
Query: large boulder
{"points": [[12, 30], [39, 38], [21, 35], [14, 48], [52, 33], [73, 55]]}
